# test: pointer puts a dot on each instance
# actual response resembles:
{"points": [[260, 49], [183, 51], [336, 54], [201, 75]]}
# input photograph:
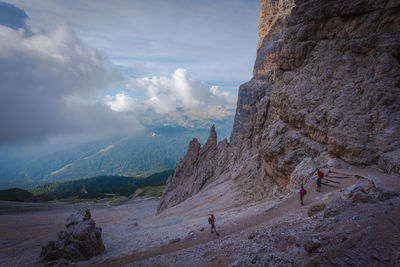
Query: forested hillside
{"points": [[102, 186], [20, 195], [142, 154]]}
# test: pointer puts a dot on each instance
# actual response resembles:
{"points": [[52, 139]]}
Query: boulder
{"points": [[190, 235], [390, 162], [362, 185], [175, 240], [361, 197], [386, 195], [312, 244], [80, 241], [330, 212], [315, 209]]}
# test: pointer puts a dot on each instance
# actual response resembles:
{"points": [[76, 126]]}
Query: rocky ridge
{"points": [[200, 166], [324, 93]]}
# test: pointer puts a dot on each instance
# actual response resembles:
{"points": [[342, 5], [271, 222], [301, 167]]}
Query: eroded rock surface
{"points": [[340, 233], [200, 166], [80, 241], [325, 92]]}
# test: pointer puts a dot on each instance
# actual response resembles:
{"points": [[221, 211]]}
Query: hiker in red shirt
{"points": [[319, 180]]}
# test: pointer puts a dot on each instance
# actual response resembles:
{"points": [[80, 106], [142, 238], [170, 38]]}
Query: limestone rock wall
{"points": [[339, 77], [335, 96], [325, 92], [273, 14]]}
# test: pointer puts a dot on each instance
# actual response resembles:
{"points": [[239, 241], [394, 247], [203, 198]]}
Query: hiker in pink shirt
{"points": [[302, 193]]}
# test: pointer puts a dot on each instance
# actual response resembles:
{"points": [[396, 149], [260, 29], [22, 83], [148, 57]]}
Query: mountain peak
{"points": [[212, 140]]}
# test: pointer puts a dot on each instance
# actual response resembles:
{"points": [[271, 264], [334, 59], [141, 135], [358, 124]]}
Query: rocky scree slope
{"points": [[325, 92], [356, 224]]}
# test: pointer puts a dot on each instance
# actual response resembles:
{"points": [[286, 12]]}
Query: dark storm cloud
{"points": [[46, 81]]}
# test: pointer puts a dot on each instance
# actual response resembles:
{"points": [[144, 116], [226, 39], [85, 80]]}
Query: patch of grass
{"points": [[149, 192]]}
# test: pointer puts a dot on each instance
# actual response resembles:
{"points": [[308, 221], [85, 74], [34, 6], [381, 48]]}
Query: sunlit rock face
{"points": [[273, 15], [325, 92]]}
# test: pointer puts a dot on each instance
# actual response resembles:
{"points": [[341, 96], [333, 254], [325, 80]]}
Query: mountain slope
{"points": [[20, 195], [102, 186], [325, 93], [142, 154]]}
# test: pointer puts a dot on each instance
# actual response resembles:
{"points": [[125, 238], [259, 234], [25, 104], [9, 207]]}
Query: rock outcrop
{"points": [[199, 167], [80, 241], [325, 92]]}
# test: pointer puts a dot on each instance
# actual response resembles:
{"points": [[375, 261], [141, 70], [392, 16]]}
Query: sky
{"points": [[105, 67]]}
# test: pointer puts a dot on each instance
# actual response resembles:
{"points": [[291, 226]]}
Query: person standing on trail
{"points": [[302, 193], [319, 180], [211, 220]]}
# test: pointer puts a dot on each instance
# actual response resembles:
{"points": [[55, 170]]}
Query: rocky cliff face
{"points": [[273, 15], [325, 92]]}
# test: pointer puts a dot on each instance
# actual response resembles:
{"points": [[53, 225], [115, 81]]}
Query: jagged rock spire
{"points": [[212, 139], [194, 171]]}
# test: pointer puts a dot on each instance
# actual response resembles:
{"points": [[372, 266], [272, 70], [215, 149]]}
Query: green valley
{"points": [[143, 154], [90, 188]]}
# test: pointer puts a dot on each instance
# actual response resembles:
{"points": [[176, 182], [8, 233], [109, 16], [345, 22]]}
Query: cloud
{"points": [[122, 102], [166, 94], [176, 100], [52, 83], [207, 37], [48, 86]]}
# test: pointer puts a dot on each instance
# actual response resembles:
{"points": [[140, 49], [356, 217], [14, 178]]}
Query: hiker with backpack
{"points": [[319, 180], [211, 220], [302, 193]]}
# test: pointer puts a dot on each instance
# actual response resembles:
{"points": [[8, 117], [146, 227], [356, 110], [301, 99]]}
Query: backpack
{"points": [[305, 192]]}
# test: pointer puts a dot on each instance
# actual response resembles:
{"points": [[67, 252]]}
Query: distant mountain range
{"points": [[153, 151]]}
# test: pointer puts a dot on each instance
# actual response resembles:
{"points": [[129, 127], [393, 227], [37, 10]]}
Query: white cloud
{"points": [[122, 102], [166, 94], [176, 100], [48, 87], [51, 82]]}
